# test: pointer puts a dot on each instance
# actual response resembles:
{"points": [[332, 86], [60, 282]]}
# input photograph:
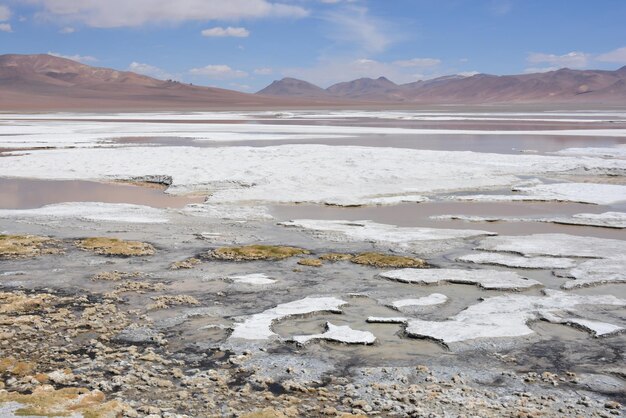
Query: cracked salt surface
{"points": [[259, 326], [487, 279], [341, 334], [506, 316]]}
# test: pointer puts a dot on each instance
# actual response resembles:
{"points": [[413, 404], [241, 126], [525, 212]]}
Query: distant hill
{"points": [[561, 86], [45, 82]]}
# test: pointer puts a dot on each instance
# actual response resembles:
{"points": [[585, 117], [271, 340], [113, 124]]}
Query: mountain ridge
{"points": [[43, 82], [563, 85]]}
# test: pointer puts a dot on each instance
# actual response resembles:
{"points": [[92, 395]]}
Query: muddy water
{"points": [[505, 144], [30, 193], [418, 215]]}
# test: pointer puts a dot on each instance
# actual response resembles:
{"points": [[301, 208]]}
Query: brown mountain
{"points": [[45, 82], [561, 86], [366, 89], [292, 87]]}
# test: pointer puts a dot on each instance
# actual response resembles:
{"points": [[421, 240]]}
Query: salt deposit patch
{"points": [[341, 334], [300, 173], [259, 326], [605, 220], [379, 201], [596, 272], [367, 231], [252, 279], [487, 279], [593, 193], [555, 245], [511, 260], [91, 211], [503, 316], [430, 300], [228, 212], [618, 151], [596, 328]]}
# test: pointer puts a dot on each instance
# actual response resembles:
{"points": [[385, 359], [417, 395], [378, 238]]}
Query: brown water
{"points": [[30, 193], [506, 144], [417, 215]]}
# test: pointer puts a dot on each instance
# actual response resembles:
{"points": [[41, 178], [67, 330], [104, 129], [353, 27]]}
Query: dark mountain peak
{"points": [[289, 86], [362, 87]]}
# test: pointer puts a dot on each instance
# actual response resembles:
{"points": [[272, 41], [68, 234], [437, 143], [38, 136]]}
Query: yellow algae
{"points": [[115, 247], [114, 276], [16, 368], [187, 263], [257, 252], [311, 262], [25, 246], [164, 302], [264, 413], [19, 302], [388, 261], [335, 257], [48, 402]]}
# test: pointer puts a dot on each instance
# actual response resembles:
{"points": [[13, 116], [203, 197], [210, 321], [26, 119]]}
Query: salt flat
{"points": [[294, 303]]}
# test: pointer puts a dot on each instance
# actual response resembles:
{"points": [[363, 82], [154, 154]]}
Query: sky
{"points": [[246, 44]]}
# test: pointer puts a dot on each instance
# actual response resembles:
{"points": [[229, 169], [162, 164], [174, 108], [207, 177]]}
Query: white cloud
{"points": [[501, 7], [573, 59], [80, 58], [263, 71], [219, 71], [617, 56], [5, 13], [5, 27], [150, 71], [128, 13], [418, 62], [225, 32], [67, 30], [353, 25], [240, 87]]}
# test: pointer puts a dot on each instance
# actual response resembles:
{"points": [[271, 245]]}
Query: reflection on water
{"points": [[505, 144], [29, 193], [417, 215]]}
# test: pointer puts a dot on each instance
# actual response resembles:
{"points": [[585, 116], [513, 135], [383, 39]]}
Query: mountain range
{"points": [[560, 86], [44, 82]]}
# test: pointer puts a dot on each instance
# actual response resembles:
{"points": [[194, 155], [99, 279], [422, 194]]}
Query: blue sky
{"points": [[245, 44]]}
